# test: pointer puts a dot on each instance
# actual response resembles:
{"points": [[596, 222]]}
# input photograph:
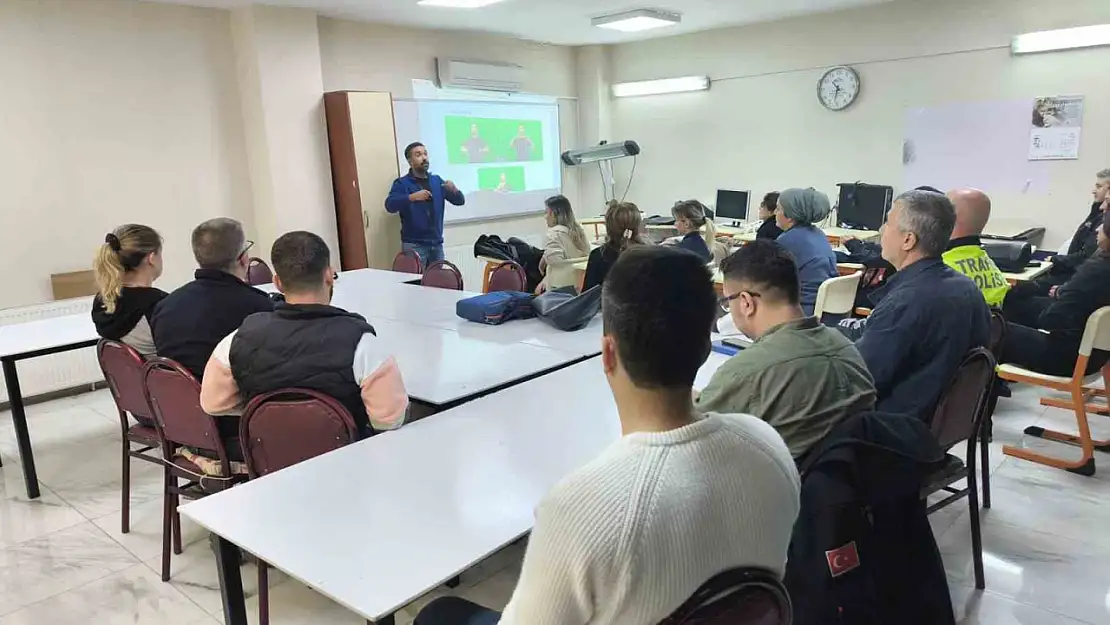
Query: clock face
{"points": [[838, 88]]}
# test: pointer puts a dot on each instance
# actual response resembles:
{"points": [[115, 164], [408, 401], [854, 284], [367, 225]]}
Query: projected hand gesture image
{"points": [[489, 140]]}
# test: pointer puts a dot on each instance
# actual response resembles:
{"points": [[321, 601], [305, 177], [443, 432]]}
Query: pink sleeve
{"points": [[384, 395], [219, 393]]}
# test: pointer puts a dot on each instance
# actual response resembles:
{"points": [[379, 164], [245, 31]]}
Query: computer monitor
{"points": [[863, 206], [732, 204]]}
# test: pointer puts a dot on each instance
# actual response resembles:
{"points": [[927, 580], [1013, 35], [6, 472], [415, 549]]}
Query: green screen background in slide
{"points": [[498, 135], [489, 178]]}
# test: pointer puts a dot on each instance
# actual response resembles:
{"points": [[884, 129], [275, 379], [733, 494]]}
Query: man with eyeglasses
{"points": [[799, 376], [189, 322]]}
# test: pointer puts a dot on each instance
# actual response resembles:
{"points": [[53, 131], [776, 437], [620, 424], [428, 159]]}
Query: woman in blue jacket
{"points": [[797, 212]]}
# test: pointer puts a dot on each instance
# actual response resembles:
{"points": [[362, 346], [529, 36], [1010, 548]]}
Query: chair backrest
{"points": [[742, 596], [837, 296], [173, 395], [258, 272], [998, 332], [959, 413], [1097, 333], [508, 276], [284, 427], [408, 261], [123, 369], [442, 274]]}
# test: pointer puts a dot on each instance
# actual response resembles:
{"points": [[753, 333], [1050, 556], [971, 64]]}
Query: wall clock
{"points": [[838, 88]]}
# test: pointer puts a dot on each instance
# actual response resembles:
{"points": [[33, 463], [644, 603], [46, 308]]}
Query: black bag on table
{"points": [[566, 310]]}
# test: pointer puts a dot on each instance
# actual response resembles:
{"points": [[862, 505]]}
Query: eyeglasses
{"points": [[726, 300], [247, 247]]}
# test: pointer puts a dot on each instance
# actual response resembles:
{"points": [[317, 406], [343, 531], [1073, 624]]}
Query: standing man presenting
{"points": [[418, 197]]}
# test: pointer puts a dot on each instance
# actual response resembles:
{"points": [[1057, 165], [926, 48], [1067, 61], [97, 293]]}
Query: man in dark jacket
{"points": [[927, 316], [189, 322], [1047, 322], [1084, 242], [307, 343]]}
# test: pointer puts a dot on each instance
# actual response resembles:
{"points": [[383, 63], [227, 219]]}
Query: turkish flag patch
{"points": [[843, 559]]}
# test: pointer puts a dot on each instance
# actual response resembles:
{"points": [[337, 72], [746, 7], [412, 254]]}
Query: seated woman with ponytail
{"points": [[691, 217], [125, 267], [622, 229]]}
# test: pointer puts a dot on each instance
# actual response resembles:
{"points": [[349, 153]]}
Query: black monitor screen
{"points": [[863, 206], [732, 204]]}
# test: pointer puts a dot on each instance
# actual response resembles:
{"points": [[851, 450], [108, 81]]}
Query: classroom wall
{"points": [[760, 126], [112, 112], [377, 57]]}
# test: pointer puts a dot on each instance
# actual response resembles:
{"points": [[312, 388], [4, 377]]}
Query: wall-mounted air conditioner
{"points": [[479, 75]]}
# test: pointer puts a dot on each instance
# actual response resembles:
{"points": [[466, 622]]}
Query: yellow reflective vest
{"points": [[973, 262]]}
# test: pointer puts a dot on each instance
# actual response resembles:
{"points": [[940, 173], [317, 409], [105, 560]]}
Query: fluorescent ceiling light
{"points": [[637, 20], [458, 4], [664, 85], [1066, 39]]}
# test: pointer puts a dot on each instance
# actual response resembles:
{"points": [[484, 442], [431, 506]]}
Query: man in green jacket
{"points": [[801, 377], [965, 251]]}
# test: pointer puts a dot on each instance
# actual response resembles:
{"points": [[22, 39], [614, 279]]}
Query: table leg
{"points": [[22, 436], [231, 582]]}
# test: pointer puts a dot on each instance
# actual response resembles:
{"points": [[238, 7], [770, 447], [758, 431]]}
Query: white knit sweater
{"points": [[629, 537]]}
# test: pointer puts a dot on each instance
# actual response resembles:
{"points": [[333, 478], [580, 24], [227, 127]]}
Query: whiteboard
{"points": [[502, 153]]}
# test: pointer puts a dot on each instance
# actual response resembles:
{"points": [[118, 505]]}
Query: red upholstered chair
{"points": [[258, 272], [742, 596], [508, 276], [444, 275], [408, 261], [282, 428], [173, 395], [123, 369]]}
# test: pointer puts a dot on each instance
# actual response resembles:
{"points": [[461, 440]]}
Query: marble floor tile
{"points": [[134, 595], [23, 519], [986, 608], [1047, 571], [43, 567], [145, 538], [52, 425]]}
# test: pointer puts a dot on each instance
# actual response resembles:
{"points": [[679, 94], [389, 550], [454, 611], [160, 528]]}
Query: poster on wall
{"points": [[1055, 128], [971, 144]]}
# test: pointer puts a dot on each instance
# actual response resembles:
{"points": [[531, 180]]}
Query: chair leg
{"points": [[263, 593], [984, 446], [167, 523], [976, 530], [1085, 465], [176, 526], [125, 489]]}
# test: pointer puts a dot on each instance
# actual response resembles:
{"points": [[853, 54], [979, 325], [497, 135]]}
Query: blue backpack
{"points": [[495, 308]]}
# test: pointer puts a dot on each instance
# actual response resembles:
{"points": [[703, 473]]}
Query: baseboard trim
{"points": [[59, 394]]}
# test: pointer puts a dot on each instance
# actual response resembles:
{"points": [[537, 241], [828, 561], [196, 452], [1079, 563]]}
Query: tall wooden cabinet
{"points": [[363, 149]]}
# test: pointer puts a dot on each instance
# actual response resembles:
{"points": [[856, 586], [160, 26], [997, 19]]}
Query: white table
{"points": [[1030, 273], [22, 341], [434, 497]]}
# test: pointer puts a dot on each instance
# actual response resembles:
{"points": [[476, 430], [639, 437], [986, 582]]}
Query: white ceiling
{"points": [[565, 22]]}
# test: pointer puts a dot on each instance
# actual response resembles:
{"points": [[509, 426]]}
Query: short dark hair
{"points": [[410, 147], [926, 187], [768, 267], [659, 306], [300, 259], [930, 216], [218, 243], [771, 200]]}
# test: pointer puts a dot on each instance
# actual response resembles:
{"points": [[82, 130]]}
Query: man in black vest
{"points": [[307, 343]]}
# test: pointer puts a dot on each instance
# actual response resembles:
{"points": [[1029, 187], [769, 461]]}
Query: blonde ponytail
{"points": [[108, 271], [710, 230], [124, 250]]}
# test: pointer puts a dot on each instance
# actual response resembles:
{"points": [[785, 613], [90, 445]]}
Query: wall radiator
{"points": [[56, 371]]}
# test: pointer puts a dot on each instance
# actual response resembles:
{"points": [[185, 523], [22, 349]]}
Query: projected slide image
{"points": [[492, 140], [501, 179]]}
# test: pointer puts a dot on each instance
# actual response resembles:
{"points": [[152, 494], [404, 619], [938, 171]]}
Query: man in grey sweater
{"points": [[801, 377]]}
